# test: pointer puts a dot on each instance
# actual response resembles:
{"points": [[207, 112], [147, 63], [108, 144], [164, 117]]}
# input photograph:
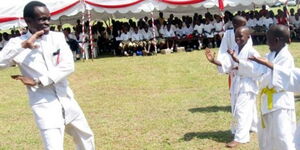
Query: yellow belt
{"points": [[269, 92]]}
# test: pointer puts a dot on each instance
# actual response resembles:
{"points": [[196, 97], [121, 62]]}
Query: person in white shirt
{"points": [[259, 30], [267, 21], [149, 42], [292, 16], [208, 30], [219, 30], [251, 22], [169, 36], [136, 42], [45, 61], [198, 33], [125, 44]]}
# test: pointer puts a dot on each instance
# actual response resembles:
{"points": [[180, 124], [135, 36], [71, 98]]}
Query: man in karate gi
{"points": [[278, 118], [45, 61], [244, 89]]}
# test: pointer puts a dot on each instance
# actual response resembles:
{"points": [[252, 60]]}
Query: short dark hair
{"points": [[280, 31], [28, 11]]}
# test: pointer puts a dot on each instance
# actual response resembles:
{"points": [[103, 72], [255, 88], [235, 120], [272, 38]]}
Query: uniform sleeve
{"points": [[223, 47], [227, 64], [7, 54], [64, 67], [250, 68], [287, 79]]}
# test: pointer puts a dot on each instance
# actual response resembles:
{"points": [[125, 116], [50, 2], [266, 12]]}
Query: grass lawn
{"points": [[163, 102]]}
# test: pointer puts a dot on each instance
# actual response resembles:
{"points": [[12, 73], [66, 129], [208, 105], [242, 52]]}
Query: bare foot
{"points": [[232, 144]]}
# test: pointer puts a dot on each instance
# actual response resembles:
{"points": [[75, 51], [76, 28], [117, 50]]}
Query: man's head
{"points": [[37, 17], [242, 34], [238, 21], [277, 37]]}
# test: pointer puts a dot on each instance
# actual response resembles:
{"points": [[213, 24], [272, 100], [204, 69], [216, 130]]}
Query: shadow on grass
{"points": [[211, 109], [218, 136]]}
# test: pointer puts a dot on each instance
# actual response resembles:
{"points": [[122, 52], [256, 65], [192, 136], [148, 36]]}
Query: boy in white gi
{"points": [[244, 89], [278, 118], [45, 61]]}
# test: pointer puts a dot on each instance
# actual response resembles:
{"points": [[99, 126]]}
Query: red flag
{"points": [[221, 5]]}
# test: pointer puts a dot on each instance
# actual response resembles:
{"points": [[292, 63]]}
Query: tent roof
{"points": [[11, 12]]}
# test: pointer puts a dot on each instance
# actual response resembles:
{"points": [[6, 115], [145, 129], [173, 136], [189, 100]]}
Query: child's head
{"points": [[277, 37], [242, 34], [238, 21]]}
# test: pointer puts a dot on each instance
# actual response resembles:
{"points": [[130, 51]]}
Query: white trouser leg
{"points": [[279, 130], [254, 124], [243, 114], [81, 133], [53, 139]]}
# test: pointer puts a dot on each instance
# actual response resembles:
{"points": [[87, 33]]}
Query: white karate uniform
{"points": [[289, 80], [243, 95], [52, 103], [228, 42], [281, 75], [280, 120]]}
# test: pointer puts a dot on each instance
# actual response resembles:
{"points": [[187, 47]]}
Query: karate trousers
{"points": [[244, 116], [79, 129], [279, 130]]}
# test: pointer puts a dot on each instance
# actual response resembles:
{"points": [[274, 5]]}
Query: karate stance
{"points": [[244, 89], [45, 61]]}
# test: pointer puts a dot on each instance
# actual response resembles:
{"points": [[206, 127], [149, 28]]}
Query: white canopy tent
{"points": [[67, 11]]}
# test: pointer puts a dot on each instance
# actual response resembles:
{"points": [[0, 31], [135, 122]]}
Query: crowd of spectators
{"points": [[145, 36]]}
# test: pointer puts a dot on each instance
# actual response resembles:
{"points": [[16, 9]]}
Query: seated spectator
{"points": [[74, 45], [281, 17], [208, 30], [198, 33], [267, 21], [219, 31], [169, 36], [295, 28], [125, 44], [149, 42], [136, 43]]}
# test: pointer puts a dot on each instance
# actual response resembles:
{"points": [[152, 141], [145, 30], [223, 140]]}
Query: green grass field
{"points": [[163, 102]]}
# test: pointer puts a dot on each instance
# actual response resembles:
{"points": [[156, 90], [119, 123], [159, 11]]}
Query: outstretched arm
{"points": [[262, 61]]}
